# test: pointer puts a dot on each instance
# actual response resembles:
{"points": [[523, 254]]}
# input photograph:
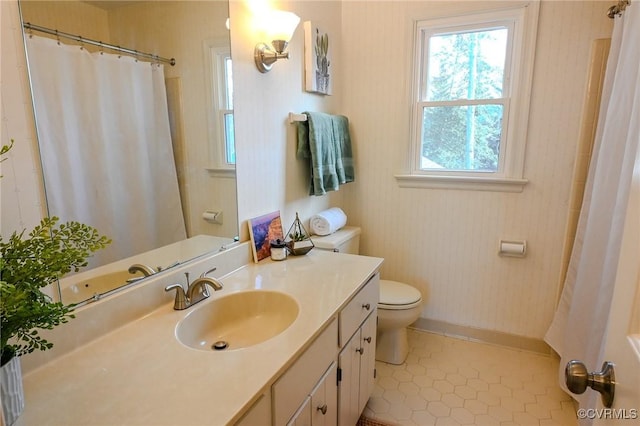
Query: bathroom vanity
{"points": [[316, 371]]}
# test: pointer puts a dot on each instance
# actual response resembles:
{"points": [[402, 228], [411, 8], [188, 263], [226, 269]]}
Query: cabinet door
{"points": [[348, 389], [367, 359], [324, 400], [258, 414], [302, 417]]}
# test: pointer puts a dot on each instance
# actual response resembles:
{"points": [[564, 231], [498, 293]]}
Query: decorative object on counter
{"points": [[264, 229], [278, 250], [325, 141], [328, 221], [317, 60], [298, 240], [29, 264]]}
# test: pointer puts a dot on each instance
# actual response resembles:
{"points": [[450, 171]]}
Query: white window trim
{"points": [[510, 177], [215, 80]]}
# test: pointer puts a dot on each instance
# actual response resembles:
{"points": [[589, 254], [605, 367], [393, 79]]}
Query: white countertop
{"points": [[140, 374]]}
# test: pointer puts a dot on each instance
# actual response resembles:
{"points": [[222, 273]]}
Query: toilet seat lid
{"points": [[393, 293]]}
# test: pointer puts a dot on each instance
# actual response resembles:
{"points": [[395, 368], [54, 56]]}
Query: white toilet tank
{"points": [[344, 240]]}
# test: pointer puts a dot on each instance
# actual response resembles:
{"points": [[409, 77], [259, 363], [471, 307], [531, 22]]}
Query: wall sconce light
{"points": [[279, 27]]}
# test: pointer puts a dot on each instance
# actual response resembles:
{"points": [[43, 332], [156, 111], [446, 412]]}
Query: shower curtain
{"points": [[105, 146], [580, 323]]}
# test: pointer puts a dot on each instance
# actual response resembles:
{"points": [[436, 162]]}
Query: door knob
{"points": [[578, 379]]}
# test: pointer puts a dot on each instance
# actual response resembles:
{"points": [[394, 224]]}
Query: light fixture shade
{"points": [[281, 25]]}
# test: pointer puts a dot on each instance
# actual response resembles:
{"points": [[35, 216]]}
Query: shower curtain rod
{"points": [[81, 39], [617, 9]]}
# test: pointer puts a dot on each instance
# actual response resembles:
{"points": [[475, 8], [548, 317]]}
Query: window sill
{"points": [[221, 172], [473, 183]]}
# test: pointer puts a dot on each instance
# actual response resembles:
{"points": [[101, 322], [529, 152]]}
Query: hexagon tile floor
{"points": [[449, 381]]}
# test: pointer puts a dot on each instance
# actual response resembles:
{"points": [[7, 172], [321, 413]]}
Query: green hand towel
{"points": [[324, 140]]}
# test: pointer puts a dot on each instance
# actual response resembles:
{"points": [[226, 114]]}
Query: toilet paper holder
{"points": [[512, 248], [212, 216]]}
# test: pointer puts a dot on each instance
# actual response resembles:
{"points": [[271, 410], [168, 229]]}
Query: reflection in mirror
{"points": [[139, 149]]}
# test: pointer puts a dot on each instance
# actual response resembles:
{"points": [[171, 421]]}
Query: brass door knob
{"points": [[578, 379]]}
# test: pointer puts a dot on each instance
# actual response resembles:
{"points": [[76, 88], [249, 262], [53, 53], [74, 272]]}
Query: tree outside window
{"points": [[462, 120]]}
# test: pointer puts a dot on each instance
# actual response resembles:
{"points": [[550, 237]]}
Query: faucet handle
{"points": [[180, 301]]}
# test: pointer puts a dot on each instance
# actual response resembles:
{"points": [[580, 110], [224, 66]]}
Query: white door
{"points": [[623, 334]]}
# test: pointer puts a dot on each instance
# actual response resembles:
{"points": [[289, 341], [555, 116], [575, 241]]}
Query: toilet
{"points": [[399, 306]]}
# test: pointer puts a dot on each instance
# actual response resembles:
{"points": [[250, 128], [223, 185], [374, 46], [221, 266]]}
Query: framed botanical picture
{"points": [[317, 59], [263, 229]]}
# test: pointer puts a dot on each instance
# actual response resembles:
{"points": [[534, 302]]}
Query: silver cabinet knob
{"points": [[323, 409], [578, 379], [366, 306]]}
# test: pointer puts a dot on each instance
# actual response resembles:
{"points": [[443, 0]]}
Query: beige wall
{"points": [[72, 17], [21, 185], [442, 241], [270, 177]]}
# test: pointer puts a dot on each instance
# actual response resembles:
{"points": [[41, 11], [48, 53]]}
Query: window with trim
{"points": [[220, 105], [472, 86]]}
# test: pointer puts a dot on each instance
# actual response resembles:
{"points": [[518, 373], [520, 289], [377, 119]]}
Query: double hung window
{"points": [[472, 86], [220, 106]]}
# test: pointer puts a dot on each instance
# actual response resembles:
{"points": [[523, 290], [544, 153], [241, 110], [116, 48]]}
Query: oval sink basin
{"points": [[237, 321]]}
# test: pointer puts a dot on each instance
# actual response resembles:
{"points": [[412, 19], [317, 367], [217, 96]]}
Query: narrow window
{"points": [[218, 66], [226, 111]]}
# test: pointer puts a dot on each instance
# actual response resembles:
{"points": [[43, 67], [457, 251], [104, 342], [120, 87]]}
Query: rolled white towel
{"points": [[328, 221]]}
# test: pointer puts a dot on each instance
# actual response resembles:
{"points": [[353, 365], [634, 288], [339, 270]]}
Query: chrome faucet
{"points": [[138, 267], [196, 292]]}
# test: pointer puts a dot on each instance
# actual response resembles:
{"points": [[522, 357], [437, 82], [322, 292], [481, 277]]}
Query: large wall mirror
{"points": [[140, 149]]}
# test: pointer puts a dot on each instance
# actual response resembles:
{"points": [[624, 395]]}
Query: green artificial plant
{"points": [[30, 263]]}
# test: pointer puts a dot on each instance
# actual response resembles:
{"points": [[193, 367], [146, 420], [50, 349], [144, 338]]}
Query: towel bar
{"points": [[293, 117]]}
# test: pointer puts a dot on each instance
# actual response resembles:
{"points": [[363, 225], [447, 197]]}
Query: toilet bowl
{"points": [[399, 304]]}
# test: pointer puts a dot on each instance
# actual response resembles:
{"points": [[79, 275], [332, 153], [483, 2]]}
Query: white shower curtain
{"points": [[579, 326], [105, 145]]}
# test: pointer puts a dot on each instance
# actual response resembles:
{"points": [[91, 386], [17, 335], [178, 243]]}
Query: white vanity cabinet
{"points": [[330, 383], [320, 408], [356, 361], [302, 417], [258, 414], [357, 372], [305, 378]]}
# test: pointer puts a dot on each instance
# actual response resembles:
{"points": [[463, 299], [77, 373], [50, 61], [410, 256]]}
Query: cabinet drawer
{"points": [[358, 309], [290, 390]]}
